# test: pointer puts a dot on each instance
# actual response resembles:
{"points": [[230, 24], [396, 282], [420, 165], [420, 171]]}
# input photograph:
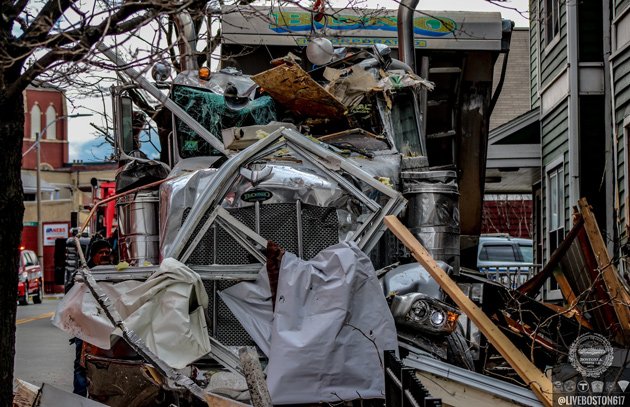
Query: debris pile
{"points": [[285, 234]]}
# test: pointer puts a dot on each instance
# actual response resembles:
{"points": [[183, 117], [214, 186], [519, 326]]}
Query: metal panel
{"points": [[487, 384], [292, 26]]}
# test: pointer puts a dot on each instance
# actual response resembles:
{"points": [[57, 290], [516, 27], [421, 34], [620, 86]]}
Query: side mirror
{"points": [[125, 121]]}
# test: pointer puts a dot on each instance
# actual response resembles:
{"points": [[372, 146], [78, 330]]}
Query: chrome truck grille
{"points": [[316, 229]]}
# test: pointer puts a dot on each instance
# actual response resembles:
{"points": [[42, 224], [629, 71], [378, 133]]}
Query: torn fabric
{"points": [[166, 311], [329, 330]]}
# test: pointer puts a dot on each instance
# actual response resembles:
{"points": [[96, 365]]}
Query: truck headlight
{"points": [[420, 310], [23, 276], [437, 318], [424, 313]]}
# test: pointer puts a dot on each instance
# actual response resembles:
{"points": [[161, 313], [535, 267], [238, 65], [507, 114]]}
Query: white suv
{"points": [[506, 259]]}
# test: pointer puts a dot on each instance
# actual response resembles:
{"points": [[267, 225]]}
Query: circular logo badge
{"points": [[591, 354]]}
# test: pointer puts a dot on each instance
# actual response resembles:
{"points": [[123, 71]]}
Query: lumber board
{"points": [[529, 373], [24, 393], [618, 293], [565, 287]]}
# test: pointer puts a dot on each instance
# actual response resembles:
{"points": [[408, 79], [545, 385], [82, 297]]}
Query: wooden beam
{"points": [[24, 393], [529, 373], [255, 378], [618, 293], [565, 288]]}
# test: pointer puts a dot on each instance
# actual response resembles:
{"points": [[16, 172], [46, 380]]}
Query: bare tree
{"points": [[52, 38]]}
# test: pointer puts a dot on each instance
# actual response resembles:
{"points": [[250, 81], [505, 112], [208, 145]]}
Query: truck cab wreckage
{"points": [[268, 222]]}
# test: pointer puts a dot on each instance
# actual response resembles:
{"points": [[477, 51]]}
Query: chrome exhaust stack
{"points": [[406, 44]]}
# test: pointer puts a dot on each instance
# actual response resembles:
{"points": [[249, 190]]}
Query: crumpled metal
{"points": [[167, 311], [331, 324]]}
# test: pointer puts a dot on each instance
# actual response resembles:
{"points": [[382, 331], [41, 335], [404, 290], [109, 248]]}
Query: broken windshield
{"points": [[212, 112]]}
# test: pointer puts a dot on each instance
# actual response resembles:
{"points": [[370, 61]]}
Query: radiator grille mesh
{"points": [[278, 222]]}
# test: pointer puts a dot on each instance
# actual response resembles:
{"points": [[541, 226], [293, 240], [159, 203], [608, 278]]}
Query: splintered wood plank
{"points": [[618, 293], [293, 88], [535, 379]]}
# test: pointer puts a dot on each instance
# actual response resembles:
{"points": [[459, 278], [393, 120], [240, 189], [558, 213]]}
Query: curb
{"points": [[53, 296]]}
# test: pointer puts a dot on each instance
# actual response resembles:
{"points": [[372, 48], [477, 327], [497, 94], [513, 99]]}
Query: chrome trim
{"points": [[298, 215], [213, 195], [486, 384]]}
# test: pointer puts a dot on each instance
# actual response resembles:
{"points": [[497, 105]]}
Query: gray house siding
{"points": [[621, 80], [553, 55], [620, 6], [533, 54], [555, 143], [555, 127]]}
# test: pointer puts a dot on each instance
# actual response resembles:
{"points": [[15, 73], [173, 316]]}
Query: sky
{"points": [[85, 145]]}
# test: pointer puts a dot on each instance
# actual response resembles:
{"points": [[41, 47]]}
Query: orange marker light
{"points": [[204, 73]]}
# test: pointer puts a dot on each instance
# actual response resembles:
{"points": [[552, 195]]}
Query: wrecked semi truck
{"points": [[306, 159]]}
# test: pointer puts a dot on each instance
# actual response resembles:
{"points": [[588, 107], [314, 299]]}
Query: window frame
{"points": [[551, 21], [36, 120], [51, 125], [555, 170]]}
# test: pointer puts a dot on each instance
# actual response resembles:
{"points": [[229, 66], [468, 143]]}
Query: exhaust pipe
{"points": [[187, 41], [406, 44]]}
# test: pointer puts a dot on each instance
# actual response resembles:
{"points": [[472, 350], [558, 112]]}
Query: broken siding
{"points": [[555, 143], [533, 55], [553, 56], [621, 78]]}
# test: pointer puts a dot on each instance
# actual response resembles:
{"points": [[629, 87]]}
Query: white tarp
{"points": [[331, 324], [167, 311]]}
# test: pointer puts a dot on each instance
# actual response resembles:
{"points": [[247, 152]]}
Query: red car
{"points": [[30, 278]]}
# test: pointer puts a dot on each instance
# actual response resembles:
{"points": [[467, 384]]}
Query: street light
{"points": [[40, 229]]}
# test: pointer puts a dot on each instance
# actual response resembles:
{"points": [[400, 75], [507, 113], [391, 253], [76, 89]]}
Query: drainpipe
{"points": [[406, 43], [611, 136], [187, 41], [574, 90]]}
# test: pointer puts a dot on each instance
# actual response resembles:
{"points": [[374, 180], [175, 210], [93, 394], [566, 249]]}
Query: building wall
{"points": [[52, 211], [77, 180], [534, 47], [553, 56], [555, 149], [514, 98], [620, 7], [511, 214], [620, 66], [54, 146]]}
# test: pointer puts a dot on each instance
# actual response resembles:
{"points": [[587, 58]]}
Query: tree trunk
{"points": [[11, 215]]}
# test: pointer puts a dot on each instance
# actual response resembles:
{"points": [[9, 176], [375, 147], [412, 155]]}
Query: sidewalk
{"points": [[53, 296]]}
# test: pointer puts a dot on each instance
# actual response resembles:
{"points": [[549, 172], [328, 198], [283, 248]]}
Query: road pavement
{"points": [[42, 351]]}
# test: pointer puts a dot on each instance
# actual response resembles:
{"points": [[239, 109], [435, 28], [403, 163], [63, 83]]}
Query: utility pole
{"points": [[40, 228], [38, 187]]}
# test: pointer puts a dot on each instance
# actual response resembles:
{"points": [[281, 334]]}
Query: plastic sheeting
{"points": [[166, 311], [331, 324]]}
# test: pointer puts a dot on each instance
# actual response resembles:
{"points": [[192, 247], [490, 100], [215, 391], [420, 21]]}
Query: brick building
{"points": [[65, 188]]}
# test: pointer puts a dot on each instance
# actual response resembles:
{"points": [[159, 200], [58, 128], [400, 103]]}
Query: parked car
{"points": [[506, 259], [29, 278]]}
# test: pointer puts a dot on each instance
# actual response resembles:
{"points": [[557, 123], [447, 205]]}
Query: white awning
{"points": [[29, 184]]}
